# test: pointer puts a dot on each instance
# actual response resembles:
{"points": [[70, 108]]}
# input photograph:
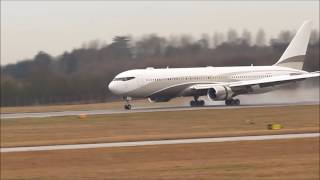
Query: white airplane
{"points": [[217, 83]]}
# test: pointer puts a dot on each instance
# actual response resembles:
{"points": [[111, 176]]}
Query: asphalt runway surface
{"points": [[158, 142], [137, 110]]}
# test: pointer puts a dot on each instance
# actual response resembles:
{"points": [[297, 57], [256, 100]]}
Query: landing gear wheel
{"points": [[201, 103], [127, 106], [196, 103], [232, 102], [229, 102], [237, 102]]}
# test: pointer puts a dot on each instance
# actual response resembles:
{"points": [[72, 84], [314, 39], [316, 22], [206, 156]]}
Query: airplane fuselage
{"points": [[174, 82]]}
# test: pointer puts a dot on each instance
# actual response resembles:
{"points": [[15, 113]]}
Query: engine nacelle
{"points": [[158, 99], [219, 93]]}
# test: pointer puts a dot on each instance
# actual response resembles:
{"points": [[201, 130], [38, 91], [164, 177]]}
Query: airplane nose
{"points": [[112, 87], [117, 88]]}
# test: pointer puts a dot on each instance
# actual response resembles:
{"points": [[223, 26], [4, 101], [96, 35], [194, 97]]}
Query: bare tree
{"points": [[150, 45], [121, 46], [185, 40], [205, 41], [217, 39], [246, 37], [232, 36], [173, 41], [94, 44], [285, 37], [314, 37], [261, 38]]}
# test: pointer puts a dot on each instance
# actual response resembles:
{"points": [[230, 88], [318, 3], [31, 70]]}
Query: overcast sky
{"points": [[54, 27]]}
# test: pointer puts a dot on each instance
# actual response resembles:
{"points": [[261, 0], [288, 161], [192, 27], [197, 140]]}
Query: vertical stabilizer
{"points": [[294, 55]]}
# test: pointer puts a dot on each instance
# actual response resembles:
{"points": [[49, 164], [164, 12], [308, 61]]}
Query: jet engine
{"points": [[219, 93]]}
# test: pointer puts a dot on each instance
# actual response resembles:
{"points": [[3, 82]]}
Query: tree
{"points": [[261, 38], [217, 39], [246, 37], [151, 45], [120, 47], [10, 89], [94, 44], [68, 63], [314, 37], [285, 37], [232, 36], [42, 58], [185, 40], [205, 41]]}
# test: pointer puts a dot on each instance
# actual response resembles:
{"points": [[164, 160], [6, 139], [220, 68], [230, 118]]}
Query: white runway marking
{"points": [[136, 110], [158, 142]]}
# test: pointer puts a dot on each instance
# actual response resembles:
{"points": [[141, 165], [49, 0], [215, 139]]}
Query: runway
{"points": [[158, 142], [138, 110]]}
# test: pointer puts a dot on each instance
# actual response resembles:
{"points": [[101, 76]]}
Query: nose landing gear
{"points": [[127, 105], [196, 103], [232, 102]]}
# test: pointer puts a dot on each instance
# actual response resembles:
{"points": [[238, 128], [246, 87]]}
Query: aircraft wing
{"points": [[271, 81], [265, 82]]}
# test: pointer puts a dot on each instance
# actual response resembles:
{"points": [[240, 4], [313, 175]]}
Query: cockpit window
{"points": [[123, 78]]}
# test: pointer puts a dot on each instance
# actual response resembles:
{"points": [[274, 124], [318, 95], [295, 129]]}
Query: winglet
{"points": [[294, 55]]}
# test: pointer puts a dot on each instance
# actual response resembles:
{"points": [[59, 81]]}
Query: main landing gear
{"points": [[196, 103], [127, 105], [232, 102]]}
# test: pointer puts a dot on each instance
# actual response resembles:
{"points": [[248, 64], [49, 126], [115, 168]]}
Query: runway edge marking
{"points": [[158, 142]]}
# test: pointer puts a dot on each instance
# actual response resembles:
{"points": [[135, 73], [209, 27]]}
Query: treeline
{"points": [[82, 75]]}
